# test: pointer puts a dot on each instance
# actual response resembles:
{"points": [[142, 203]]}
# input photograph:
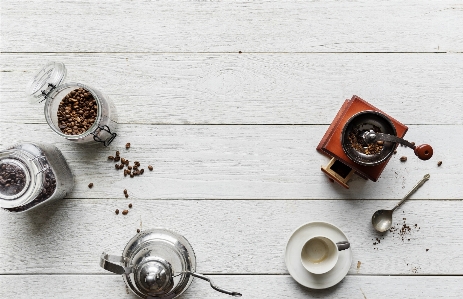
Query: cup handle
{"points": [[343, 245]]}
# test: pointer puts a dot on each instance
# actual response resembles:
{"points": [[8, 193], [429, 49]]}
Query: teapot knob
{"points": [[155, 277]]}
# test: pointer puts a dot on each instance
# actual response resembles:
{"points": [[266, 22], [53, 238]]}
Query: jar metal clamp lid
{"points": [[48, 85]]}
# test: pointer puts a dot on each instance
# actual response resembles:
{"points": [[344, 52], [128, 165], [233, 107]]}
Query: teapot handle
{"points": [[235, 294], [112, 263]]}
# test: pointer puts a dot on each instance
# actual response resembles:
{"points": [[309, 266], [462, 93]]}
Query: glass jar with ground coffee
{"points": [[32, 174], [74, 111]]}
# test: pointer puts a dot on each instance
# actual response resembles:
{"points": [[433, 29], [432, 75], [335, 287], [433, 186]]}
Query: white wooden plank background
{"points": [[273, 88], [239, 237], [262, 286], [232, 26], [246, 162], [232, 138]]}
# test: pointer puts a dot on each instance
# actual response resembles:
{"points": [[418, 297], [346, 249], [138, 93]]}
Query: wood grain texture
{"points": [[231, 26], [241, 237], [352, 287], [248, 88], [245, 162]]}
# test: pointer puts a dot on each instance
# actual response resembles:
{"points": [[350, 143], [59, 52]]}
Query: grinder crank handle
{"points": [[423, 151]]}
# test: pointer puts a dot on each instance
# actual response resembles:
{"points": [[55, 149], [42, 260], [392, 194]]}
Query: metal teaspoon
{"points": [[382, 219]]}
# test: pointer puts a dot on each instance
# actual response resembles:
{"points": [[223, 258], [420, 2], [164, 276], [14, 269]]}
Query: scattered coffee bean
{"points": [[77, 112], [117, 211], [117, 154], [116, 166], [127, 162], [135, 167], [131, 175], [138, 230], [125, 212], [110, 157], [122, 160], [136, 163], [117, 158], [142, 171], [125, 191], [90, 185], [125, 172], [121, 166], [150, 167], [130, 205], [126, 195], [380, 142], [439, 163], [403, 159], [129, 167], [127, 145]]}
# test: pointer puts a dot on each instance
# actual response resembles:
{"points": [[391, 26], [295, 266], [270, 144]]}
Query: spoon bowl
{"points": [[382, 220]]}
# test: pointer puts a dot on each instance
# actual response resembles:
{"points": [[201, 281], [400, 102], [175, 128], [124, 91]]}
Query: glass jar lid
{"points": [[45, 81]]}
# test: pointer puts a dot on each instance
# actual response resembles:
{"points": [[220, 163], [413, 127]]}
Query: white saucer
{"points": [[293, 256]]}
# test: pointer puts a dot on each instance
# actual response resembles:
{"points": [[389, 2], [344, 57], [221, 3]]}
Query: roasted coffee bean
{"points": [[130, 205], [122, 160], [142, 171], [129, 167], [138, 230], [380, 142], [135, 167], [439, 163], [136, 163], [110, 157], [413, 143], [90, 185], [125, 172], [125, 212], [126, 195], [131, 175], [126, 162], [117, 154], [403, 158], [150, 167], [117, 166], [73, 117], [127, 145], [125, 191], [117, 211], [12, 179], [117, 158]]}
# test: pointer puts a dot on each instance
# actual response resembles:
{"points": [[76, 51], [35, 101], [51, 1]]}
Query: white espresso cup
{"points": [[320, 254]]}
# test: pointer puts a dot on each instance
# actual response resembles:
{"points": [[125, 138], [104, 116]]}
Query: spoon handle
{"points": [[417, 186]]}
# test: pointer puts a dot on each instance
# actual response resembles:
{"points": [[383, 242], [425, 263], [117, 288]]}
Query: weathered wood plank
{"points": [[242, 236], [232, 26], [248, 88], [246, 162], [261, 286]]}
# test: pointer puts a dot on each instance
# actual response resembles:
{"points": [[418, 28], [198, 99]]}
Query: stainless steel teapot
{"points": [[157, 263]]}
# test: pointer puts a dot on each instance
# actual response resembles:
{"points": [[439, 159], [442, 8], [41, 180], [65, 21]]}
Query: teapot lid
{"points": [[161, 263]]}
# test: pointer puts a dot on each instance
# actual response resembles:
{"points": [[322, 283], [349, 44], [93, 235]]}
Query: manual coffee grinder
{"points": [[361, 140], [157, 264]]}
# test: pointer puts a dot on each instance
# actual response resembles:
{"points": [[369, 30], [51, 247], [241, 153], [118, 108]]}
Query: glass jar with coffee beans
{"points": [[32, 174], [74, 111]]}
